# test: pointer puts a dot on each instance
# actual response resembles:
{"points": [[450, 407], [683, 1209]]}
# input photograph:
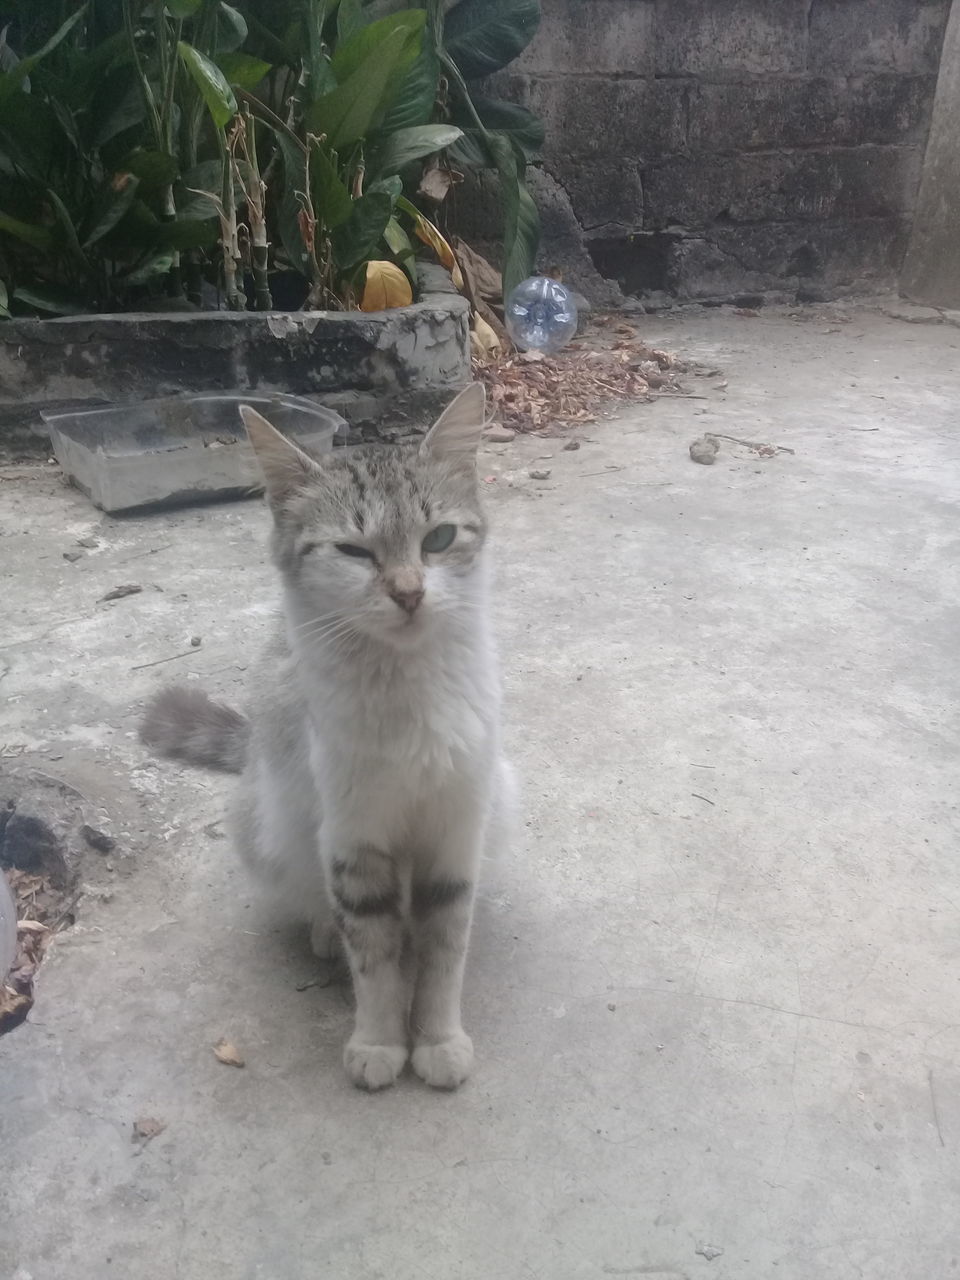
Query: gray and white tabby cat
{"points": [[372, 779]]}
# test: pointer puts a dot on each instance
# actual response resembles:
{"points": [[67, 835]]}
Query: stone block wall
{"points": [[710, 149]]}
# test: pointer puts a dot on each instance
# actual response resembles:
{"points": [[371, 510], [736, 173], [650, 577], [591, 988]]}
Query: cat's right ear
{"points": [[284, 466], [456, 433]]}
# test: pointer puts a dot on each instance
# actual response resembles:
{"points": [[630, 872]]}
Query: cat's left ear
{"points": [[284, 466], [456, 433]]}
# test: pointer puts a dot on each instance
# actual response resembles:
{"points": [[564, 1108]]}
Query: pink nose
{"points": [[409, 601]]}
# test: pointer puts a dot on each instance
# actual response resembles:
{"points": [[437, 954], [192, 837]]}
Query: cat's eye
{"points": [[439, 539], [351, 549]]}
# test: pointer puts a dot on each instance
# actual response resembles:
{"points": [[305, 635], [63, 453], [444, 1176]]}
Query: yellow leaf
{"points": [[430, 235], [484, 341], [386, 286]]}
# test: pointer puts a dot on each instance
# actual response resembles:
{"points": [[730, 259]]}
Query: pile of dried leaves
{"points": [[530, 391], [40, 912]]}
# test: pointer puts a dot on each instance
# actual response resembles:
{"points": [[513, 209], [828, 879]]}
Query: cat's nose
{"points": [[409, 600]]}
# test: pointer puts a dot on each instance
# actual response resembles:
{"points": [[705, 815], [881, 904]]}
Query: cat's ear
{"points": [[456, 433], [284, 466]]}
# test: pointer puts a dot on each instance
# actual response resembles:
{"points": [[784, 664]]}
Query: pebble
{"points": [[571, 445], [72, 556], [499, 435], [196, 642], [543, 474], [705, 450]]}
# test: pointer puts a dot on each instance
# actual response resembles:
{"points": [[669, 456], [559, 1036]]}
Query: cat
{"points": [[373, 782]]}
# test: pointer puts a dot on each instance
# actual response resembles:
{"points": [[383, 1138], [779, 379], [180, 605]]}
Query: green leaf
{"points": [[155, 169], [397, 240], [392, 186], [155, 265], [484, 35], [10, 81], [49, 299], [400, 148], [294, 180], [349, 113], [242, 69], [187, 233], [349, 19], [332, 202], [111, 205], [71, 239], [183, 8], [521, 230], [357, 238], [417, 92], [209, 79], [128, 112], [355, 52], [4, 300], [231, 28], [506, 118]]}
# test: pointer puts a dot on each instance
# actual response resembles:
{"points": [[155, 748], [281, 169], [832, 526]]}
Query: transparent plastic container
{"points": [[181, 449], [541, 315], [8, 927]]}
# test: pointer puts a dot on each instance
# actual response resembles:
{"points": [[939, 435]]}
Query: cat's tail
{"points": [[185, 724]]}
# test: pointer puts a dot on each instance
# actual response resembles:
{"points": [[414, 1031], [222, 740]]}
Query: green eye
{"points": [[439, 539]]}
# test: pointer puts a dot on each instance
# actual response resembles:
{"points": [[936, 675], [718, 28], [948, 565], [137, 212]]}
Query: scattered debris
{"points": [[750, 313], [610, 363], [709, 1251], [125, 589], [228, 1054], [764, 450], [98, 840], [696, 795], [146, 1128], [142, 666], [544, 474], [705, 450]]}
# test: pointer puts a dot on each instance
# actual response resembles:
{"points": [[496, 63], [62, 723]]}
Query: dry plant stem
{"points": [[229, 237], [244, 140]]}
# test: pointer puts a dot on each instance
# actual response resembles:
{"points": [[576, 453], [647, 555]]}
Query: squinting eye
{"points": [[440, 538], [349, 549]]}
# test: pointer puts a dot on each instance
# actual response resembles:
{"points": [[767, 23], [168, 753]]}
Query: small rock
{"points": [[612, 1008], [228, 1054], [705, 450], [145, 1128], [98, 840], [125, 589], [89, 543], [709, 1251], [571, 446], [543, 474], [499, 435], [72, 556], [195, 642]]}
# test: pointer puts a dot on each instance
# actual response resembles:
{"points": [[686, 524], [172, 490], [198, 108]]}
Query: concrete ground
{"points": [[714, 990]]}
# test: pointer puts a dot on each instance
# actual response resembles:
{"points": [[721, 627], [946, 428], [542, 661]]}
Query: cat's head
{"points": [[379, 541]]}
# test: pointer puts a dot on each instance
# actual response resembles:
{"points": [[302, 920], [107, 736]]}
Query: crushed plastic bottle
{"points": [[541, 315]]}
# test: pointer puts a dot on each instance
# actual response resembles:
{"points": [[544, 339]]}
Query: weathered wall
{"points": [[710, 148]]}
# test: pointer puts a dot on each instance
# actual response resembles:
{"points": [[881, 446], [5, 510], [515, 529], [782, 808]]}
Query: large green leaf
{"points": [[4, 300], [183, 8], [243, 70], [157, 264], [69, 237], [417, 92], [350, 111], [349, 19], [231, 28], [357, 238], [521, 229], [332, 202], [35, 236], [398, 149], [155, 169], [10, 81], [354, 52], [514, 122], [288, 220], [47, 298], [112, 203], [484, 35], [187, 233], [209, 79]]}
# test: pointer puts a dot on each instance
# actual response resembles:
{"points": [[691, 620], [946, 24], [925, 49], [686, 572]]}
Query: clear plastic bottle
{"points": [[541, 315]]}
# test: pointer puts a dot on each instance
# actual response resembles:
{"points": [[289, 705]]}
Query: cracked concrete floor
{"points": [[714, 989]]}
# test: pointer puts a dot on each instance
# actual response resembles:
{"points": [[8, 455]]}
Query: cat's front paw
{"points": [[447, 1064], [373, 1066]]}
